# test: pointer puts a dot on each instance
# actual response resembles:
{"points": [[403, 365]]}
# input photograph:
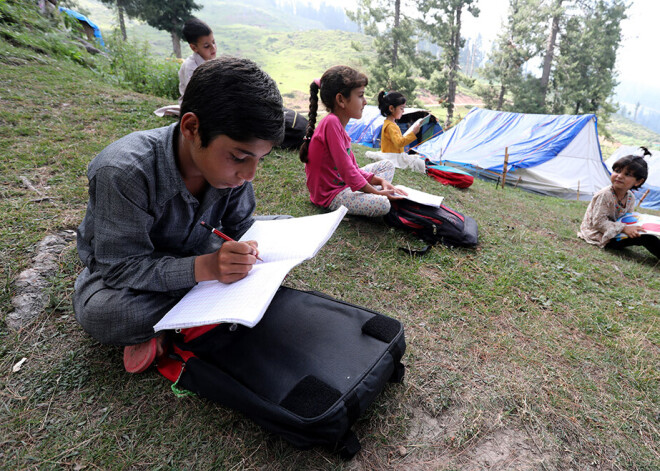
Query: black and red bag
{"points": [[306, 371], [450, 176], [434, 225]]}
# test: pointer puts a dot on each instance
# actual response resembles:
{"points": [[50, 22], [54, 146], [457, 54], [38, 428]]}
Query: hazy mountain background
{"points": [[296, 40]]}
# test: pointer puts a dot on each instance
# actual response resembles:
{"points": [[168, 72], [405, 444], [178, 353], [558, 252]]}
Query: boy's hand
{"points": [[232, 262], [633, 231]]}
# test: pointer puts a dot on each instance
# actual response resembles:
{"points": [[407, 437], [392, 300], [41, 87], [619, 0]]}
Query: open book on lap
{"points": [[283, 244], [649, 223]]}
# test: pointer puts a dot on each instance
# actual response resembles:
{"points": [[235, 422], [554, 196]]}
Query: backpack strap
{"points": [[399, 368], [416, 253], [347, 446]]}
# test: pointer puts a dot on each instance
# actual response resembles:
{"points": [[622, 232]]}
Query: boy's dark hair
{"points": [[234, 97], [193, 29], [636, 165], [387, 99], [338, 79]]}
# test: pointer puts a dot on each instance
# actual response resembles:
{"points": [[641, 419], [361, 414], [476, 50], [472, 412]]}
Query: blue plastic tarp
{"points": [[367, 130], [481, 137], [83, 18], [556, 155]]}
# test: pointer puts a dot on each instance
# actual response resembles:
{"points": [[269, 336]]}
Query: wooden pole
{"points": [[506, 162], [578, 191], [642, 198], [518, 181]]}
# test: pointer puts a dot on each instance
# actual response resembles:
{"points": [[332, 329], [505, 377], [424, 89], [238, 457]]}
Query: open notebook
{"points": [[283, 244], [421, 197]]}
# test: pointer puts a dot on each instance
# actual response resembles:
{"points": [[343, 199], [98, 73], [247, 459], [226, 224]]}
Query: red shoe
{"points": [[138, 358]]}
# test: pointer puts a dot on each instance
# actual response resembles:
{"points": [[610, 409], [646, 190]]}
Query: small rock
{"points": [[402, 451]]}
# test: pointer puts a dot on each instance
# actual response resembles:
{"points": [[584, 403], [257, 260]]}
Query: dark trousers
{"points": [[650, 242]]}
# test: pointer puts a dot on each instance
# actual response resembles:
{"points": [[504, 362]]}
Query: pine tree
{"points": [[556, 14], [394, 33], [584, 77], [516, 45], [442, 23]]}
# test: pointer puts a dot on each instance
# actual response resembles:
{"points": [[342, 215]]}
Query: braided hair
{"points": [[337, 79]]}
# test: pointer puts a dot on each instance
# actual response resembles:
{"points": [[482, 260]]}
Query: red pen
{"points": [[221, 235]]}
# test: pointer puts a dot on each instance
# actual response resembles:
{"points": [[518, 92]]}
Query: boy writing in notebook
{"points": [[141, 240]]}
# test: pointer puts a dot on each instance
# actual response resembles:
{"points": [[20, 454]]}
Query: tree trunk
{"points": [[395, 42], [549, 52], [122, 24], [500, 98], [176, 44], [455, 46]]}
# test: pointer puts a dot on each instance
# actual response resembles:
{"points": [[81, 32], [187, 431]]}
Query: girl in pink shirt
{"points": [[333, 176]]}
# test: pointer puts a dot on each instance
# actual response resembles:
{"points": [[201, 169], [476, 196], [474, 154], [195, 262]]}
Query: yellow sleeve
{"points": [[391, 139]]}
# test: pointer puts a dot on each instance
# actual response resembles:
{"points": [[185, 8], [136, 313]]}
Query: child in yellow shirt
{"points": [[392, 105]]}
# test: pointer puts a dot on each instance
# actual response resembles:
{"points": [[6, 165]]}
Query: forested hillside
{"points": [[297, 46]]}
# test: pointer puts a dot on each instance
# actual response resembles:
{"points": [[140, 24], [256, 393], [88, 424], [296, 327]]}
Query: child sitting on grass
{"points": [[392, 105], [200, 38], [600, 226], [333, 176], [141, 240]]}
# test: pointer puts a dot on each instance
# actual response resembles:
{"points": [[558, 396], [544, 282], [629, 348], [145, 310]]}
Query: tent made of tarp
{"points": [[368, 128], [556, 155], [652, 184], [91, 30]]}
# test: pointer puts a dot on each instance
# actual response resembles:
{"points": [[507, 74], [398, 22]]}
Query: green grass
{"points": [[536, 347]]}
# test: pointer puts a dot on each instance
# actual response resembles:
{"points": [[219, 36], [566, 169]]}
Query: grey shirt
{"points": [[142, 227]]}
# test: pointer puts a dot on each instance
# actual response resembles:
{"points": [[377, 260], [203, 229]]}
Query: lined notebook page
{"points": [[421, 197], [283, 244]]}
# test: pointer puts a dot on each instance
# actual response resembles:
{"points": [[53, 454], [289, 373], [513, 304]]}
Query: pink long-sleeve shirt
{"points": [[331, 165]]}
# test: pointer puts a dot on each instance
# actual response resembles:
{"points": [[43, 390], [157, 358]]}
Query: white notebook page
{"points": [[283, 244], [421, 197]]}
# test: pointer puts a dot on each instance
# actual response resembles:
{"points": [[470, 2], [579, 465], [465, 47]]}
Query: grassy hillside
{"points": [[294, 51], [217, 13], [533, 351], [629, 133]]}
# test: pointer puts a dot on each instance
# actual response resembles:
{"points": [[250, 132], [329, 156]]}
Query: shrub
{"points": [[132, 65]]}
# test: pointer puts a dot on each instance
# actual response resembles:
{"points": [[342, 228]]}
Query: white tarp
{"points": [[557, 155]]}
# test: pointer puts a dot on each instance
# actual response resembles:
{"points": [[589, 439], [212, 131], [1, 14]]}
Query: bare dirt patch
{"points": [[505, 447], [296, 100]]}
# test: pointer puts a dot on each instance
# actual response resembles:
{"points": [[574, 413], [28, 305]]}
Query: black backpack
{"points": [[295, 126], [434, 225], [307, 371]]}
